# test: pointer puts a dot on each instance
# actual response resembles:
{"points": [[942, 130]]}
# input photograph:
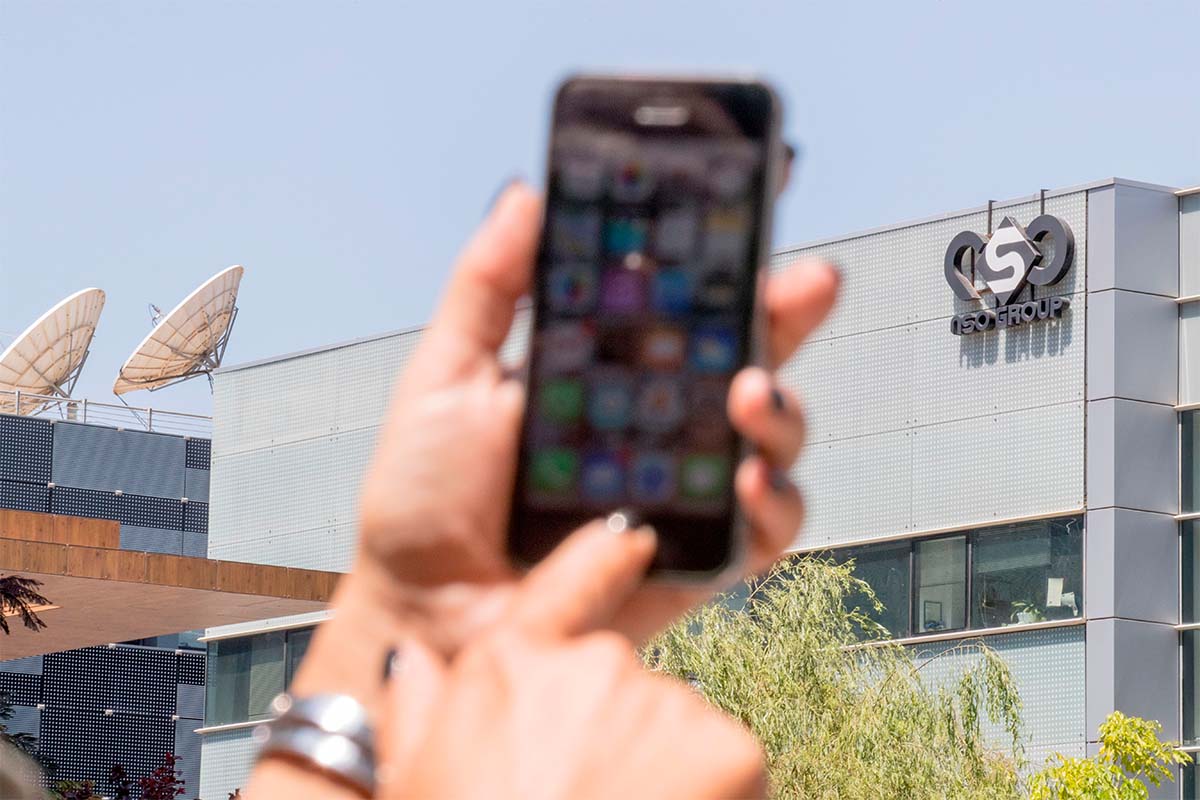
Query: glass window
{"points": [[1189, 441], [885, 568], [1191, 671], [244, 675], [297, 646], [941, 576], [1027, 573], [1187, 781], [1189, 572]]}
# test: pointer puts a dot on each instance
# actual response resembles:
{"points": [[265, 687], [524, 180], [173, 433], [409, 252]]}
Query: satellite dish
{"points": [[48, 356], [187, 342]]}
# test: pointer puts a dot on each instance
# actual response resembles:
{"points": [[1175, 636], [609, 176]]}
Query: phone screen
{"points": [[645, 292]]}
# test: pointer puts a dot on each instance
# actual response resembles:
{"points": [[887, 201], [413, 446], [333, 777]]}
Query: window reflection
{"points": [[1029, 573], [886, 570], [941, 570]]}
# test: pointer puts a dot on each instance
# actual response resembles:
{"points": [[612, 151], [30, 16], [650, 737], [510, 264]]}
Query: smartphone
{"points": [[645, 305]]}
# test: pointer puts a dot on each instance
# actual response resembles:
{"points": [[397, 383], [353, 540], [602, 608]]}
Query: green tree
{"points": [[1131, 754], [839, 718], [18, 596]]}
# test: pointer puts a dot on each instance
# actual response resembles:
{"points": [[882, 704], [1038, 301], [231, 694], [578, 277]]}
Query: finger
{"points": [[412, 697], [767, 415], [721, 757], [492, 273], [587, 577], [774, 512], [797, 300], [773, 508]]}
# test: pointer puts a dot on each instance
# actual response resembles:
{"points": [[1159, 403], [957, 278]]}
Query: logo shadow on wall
{"points": [[1016, 266]]}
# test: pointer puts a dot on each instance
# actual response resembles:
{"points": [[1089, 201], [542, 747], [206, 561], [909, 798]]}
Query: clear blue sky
{"points": [[342, 151]]}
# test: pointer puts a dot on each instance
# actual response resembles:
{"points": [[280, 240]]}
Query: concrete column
{"points": [[1132, 471]]}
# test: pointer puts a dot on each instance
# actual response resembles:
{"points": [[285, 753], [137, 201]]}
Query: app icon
{"points": [[566, 346], [575, 235], [659, 407], [729, 177], [632, 182], [652, 477], [713, 349], [623, 291], [718, 289], [675, 234], [625, 235], [611, 401], [602, 478], [561, 400], [726, 234], [704, 476], [663, 347], [708, 416], [682, 174], [581, 175], [572, 288], [618, 344], [553, 470], [672, 290]]}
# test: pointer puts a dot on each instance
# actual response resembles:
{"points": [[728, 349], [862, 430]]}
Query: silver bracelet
{"points": [[328, 731]]}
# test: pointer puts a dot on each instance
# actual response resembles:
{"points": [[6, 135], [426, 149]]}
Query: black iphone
{"points": [[659, 198]]}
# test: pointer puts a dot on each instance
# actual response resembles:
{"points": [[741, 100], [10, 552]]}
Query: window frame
{"points": [[843, 554], [287, 671]]}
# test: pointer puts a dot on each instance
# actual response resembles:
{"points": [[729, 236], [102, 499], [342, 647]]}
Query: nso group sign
{"points": [[1006, 262]]}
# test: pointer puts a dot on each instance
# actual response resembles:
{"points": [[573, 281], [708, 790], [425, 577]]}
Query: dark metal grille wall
{"points": [[99, 706], [155, 485]]}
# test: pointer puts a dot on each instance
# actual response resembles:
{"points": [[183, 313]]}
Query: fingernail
{"points": [[777, 401], [623, 520], [496, 195], [778, 480], [391, 664]]}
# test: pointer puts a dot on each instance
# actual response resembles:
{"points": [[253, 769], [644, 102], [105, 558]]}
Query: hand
{"points": [[436, 500], [542, 706]]}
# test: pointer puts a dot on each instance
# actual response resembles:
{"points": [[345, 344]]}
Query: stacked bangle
{"points": [[328, 732]]}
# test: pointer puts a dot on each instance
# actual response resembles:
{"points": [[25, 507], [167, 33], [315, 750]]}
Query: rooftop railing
{"points": [[113, 415]]}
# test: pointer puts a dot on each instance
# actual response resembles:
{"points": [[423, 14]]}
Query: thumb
{"points": [[585, 579], [415, 684]]}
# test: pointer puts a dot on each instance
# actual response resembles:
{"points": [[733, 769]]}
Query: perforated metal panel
{"points": [[188, 747], [913, 428], [24, 719], [196, 484], [137, 684], [1047, 667], [92, 503], [194, 545], [191, 668], [197, 453], [151, 540], [93, 457], [1007, 465], [226, 763], [290, 505], [30, 665], [24, 496], [189, 701], [21, 688], [195, 517], [25, 449], [150, 512]]}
